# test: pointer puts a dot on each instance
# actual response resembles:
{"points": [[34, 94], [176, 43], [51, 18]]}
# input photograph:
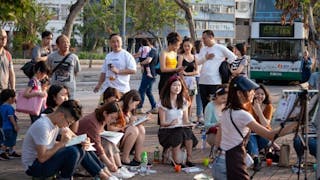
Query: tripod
{"points": [[303, 122]]}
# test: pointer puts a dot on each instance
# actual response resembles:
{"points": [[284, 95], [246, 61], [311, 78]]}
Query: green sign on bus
{"points": [[276, 30]]}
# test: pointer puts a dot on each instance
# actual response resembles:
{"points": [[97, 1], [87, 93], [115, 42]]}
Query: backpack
{"points": [[225, 72], [28, 69]]}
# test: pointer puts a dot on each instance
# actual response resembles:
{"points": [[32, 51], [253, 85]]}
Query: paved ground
{"points": [[12, 169]]}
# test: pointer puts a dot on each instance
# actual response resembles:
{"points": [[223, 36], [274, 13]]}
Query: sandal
{"points": [[190, 164]]}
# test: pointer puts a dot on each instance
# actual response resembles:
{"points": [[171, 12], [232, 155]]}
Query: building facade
{"points": [[218, 15], [243, 15]]}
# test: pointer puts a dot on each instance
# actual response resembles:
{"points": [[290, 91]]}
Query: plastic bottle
{"points": [[203, 139], [144, 164], [156, 155]]}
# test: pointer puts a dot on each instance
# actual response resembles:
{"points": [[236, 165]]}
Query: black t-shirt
{"points": [[155, 58]]}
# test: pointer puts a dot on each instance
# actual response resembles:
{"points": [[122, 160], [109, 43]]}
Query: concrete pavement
{"points": [[12, 169]]}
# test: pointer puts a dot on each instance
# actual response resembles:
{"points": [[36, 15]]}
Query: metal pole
{"points": [[124, 24], [318, 118]]}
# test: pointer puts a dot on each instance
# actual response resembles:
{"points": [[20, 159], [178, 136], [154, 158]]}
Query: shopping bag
{"points": [[29, 105]]}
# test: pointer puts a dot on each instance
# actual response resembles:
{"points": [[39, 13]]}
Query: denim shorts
{"points": [[219, 170], [10, 137]]}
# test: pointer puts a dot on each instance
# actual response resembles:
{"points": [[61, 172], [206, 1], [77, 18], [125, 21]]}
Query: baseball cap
{"points": [[244, 84]]}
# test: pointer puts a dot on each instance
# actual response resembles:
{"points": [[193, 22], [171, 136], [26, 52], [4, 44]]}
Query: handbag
{"points": [[225, 73], [31, 105], [28, 69]]}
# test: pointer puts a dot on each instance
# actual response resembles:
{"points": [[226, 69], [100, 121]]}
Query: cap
{"points": [[244, 84]]}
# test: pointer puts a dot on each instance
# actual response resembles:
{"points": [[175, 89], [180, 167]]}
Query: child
{"points": [[143, 54], [9, 124], [34, 85]]}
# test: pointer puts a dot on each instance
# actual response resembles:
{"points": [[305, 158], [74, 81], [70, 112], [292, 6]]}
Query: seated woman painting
{"points": [[175, 126]]}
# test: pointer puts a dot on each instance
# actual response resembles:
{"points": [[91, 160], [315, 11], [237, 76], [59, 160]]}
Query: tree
{"points": [[11, 8], [74, 12], [99, 20], [151, 16], [188, 15], [294, 9]]}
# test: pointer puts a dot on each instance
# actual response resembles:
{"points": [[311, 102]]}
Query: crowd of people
{"points": [[235, 115]]}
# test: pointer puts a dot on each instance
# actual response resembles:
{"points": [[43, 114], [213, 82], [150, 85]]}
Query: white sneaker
{"points": [[113, 178], [122, 175], [125, 170]]}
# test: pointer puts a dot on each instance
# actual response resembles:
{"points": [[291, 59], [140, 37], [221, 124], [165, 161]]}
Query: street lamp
{"points": [[123, 35]]}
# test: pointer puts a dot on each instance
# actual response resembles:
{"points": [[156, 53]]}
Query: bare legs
{"points": [[134, 135]]}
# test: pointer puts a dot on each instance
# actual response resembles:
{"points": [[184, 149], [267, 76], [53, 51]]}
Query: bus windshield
{"points": [[276, 49]]}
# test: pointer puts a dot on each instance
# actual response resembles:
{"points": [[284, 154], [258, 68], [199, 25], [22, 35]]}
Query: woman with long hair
{"points": [[133, 135], [175, 128], [187, 60], [236, 123]]}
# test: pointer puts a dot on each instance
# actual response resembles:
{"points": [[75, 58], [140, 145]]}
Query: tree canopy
{"points": [[307, 10]]}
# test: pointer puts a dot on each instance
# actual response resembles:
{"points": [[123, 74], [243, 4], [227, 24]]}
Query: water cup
{"points": [[177, 168], [269, 162], [206, 161]]}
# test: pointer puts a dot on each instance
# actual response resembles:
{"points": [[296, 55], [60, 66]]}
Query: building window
{"points": [[242, 6], [200, 25], [220, 26]]}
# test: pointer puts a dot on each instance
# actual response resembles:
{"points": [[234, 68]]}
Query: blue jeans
{"points": [[312, 143], [91, 163], [64, 161], [256, 143], [219, 170], [198, 100], [10, 137], [146, 88]]}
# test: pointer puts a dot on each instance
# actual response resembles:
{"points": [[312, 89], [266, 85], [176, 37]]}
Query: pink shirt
{"points": [[89, 125]]}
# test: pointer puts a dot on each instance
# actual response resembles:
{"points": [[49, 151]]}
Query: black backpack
{"points": [[225, 72]]}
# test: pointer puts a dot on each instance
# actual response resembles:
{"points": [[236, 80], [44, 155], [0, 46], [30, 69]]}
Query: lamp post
{"points": [[124, 24]]}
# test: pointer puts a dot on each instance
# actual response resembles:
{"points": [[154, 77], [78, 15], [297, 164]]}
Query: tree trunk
{"points": [[158, 39], [312, 28], [74, 11], [187, 9]]}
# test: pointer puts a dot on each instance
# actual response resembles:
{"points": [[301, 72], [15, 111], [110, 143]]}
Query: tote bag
{"points": [[29, 105]]}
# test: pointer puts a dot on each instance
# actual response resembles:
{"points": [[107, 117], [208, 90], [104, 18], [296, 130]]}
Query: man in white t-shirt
{"points": [[42, 155], [117, 67], [211, 56]]}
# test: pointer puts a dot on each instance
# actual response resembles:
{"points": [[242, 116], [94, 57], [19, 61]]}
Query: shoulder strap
{"points": [[235, 125], [8, 55], [63, 60]]}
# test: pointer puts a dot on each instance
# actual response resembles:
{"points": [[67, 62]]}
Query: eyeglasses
{"points": [[68, 121]]}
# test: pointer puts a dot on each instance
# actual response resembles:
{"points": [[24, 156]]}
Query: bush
{"points": [[90, 55]]}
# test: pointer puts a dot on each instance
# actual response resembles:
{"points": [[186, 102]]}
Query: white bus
{"points": [[276, 51]]}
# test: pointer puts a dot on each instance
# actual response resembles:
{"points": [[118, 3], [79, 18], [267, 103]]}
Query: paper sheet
{"points": [[112, 136], [77, 140]]}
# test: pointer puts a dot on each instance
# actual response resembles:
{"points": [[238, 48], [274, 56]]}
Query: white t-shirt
{"points": [[230, 136], [174, 113], [41, 132], [121, 60], [209, 73]]}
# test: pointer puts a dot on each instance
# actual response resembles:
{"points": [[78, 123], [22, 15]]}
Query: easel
{"points": [[303, 119]]}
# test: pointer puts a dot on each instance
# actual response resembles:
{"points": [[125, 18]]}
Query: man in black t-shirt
{"points": [[147, 82]]}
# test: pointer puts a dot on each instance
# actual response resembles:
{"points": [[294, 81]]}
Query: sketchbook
{"points": [[77, 140], [140, 120], [112, 136]]}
